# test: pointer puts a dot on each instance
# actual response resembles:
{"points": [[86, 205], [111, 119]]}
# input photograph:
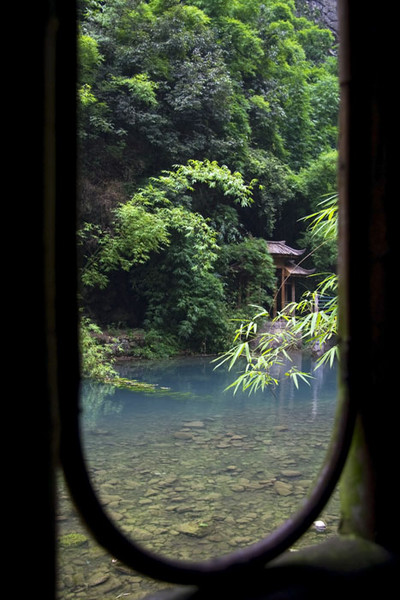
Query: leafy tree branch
{"points": [[263, 343]]}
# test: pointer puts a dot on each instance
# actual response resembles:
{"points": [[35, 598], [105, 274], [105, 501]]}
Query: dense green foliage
{"points": [[97, 360], [205, 128], [311, 322]]}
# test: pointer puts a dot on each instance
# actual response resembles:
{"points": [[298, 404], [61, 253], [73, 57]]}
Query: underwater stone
{"points": [[320, 525], [98, 579], [183, 435], [282, 488], [192, 528], [151, 492], [238, 488], [145, 502], [291, 473], [71, 540]]}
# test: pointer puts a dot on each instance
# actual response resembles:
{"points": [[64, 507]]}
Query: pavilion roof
{"points": [[282, 249], [294, 269]]}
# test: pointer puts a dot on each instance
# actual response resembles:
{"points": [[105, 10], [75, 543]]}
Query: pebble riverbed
{"points": [[191, 489]]}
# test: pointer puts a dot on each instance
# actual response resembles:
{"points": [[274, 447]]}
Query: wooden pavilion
{"points": [[286, 260]]}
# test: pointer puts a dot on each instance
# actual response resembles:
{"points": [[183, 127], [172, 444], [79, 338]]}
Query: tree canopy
{"points": [[205, 128], [312, 321]]}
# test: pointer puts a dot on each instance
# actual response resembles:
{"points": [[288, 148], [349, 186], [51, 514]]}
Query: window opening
{"points": [[158, 567]]}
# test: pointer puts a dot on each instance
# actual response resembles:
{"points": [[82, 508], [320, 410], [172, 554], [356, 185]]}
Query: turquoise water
{"points": [[193, 471]]}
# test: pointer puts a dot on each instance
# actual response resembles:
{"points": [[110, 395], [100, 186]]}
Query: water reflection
{"points": [[98, 402], [192, 470]]}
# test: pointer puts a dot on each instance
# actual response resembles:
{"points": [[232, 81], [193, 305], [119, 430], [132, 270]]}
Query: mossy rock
{"points": [[73, 540], [131, 384], [194, 529]]}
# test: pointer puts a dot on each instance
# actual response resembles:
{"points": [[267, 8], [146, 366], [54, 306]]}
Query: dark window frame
{"points": [[369, 532]]}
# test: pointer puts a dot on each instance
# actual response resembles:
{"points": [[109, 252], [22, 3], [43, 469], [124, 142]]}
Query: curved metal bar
{"points": [[251, 558], [104, 531]]}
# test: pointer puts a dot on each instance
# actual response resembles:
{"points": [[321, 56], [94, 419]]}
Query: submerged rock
{"points": [[97, 579], [151, 492], [168, 481], [183, 435], [238, 488], [73, 540], [193, 528], [291, 473], [282, 488], [320, 525], [194, 424]]}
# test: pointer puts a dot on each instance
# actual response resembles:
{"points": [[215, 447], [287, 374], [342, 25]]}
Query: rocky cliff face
{"points": [[321, 11]]}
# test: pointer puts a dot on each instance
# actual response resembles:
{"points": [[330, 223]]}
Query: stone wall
{"points": [[321, 11]]}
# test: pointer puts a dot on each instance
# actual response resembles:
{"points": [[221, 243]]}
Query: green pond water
{"points": [[193, 471]]}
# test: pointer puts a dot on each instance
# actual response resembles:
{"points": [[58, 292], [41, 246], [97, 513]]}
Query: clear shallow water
{"points": [[194, 471]]}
